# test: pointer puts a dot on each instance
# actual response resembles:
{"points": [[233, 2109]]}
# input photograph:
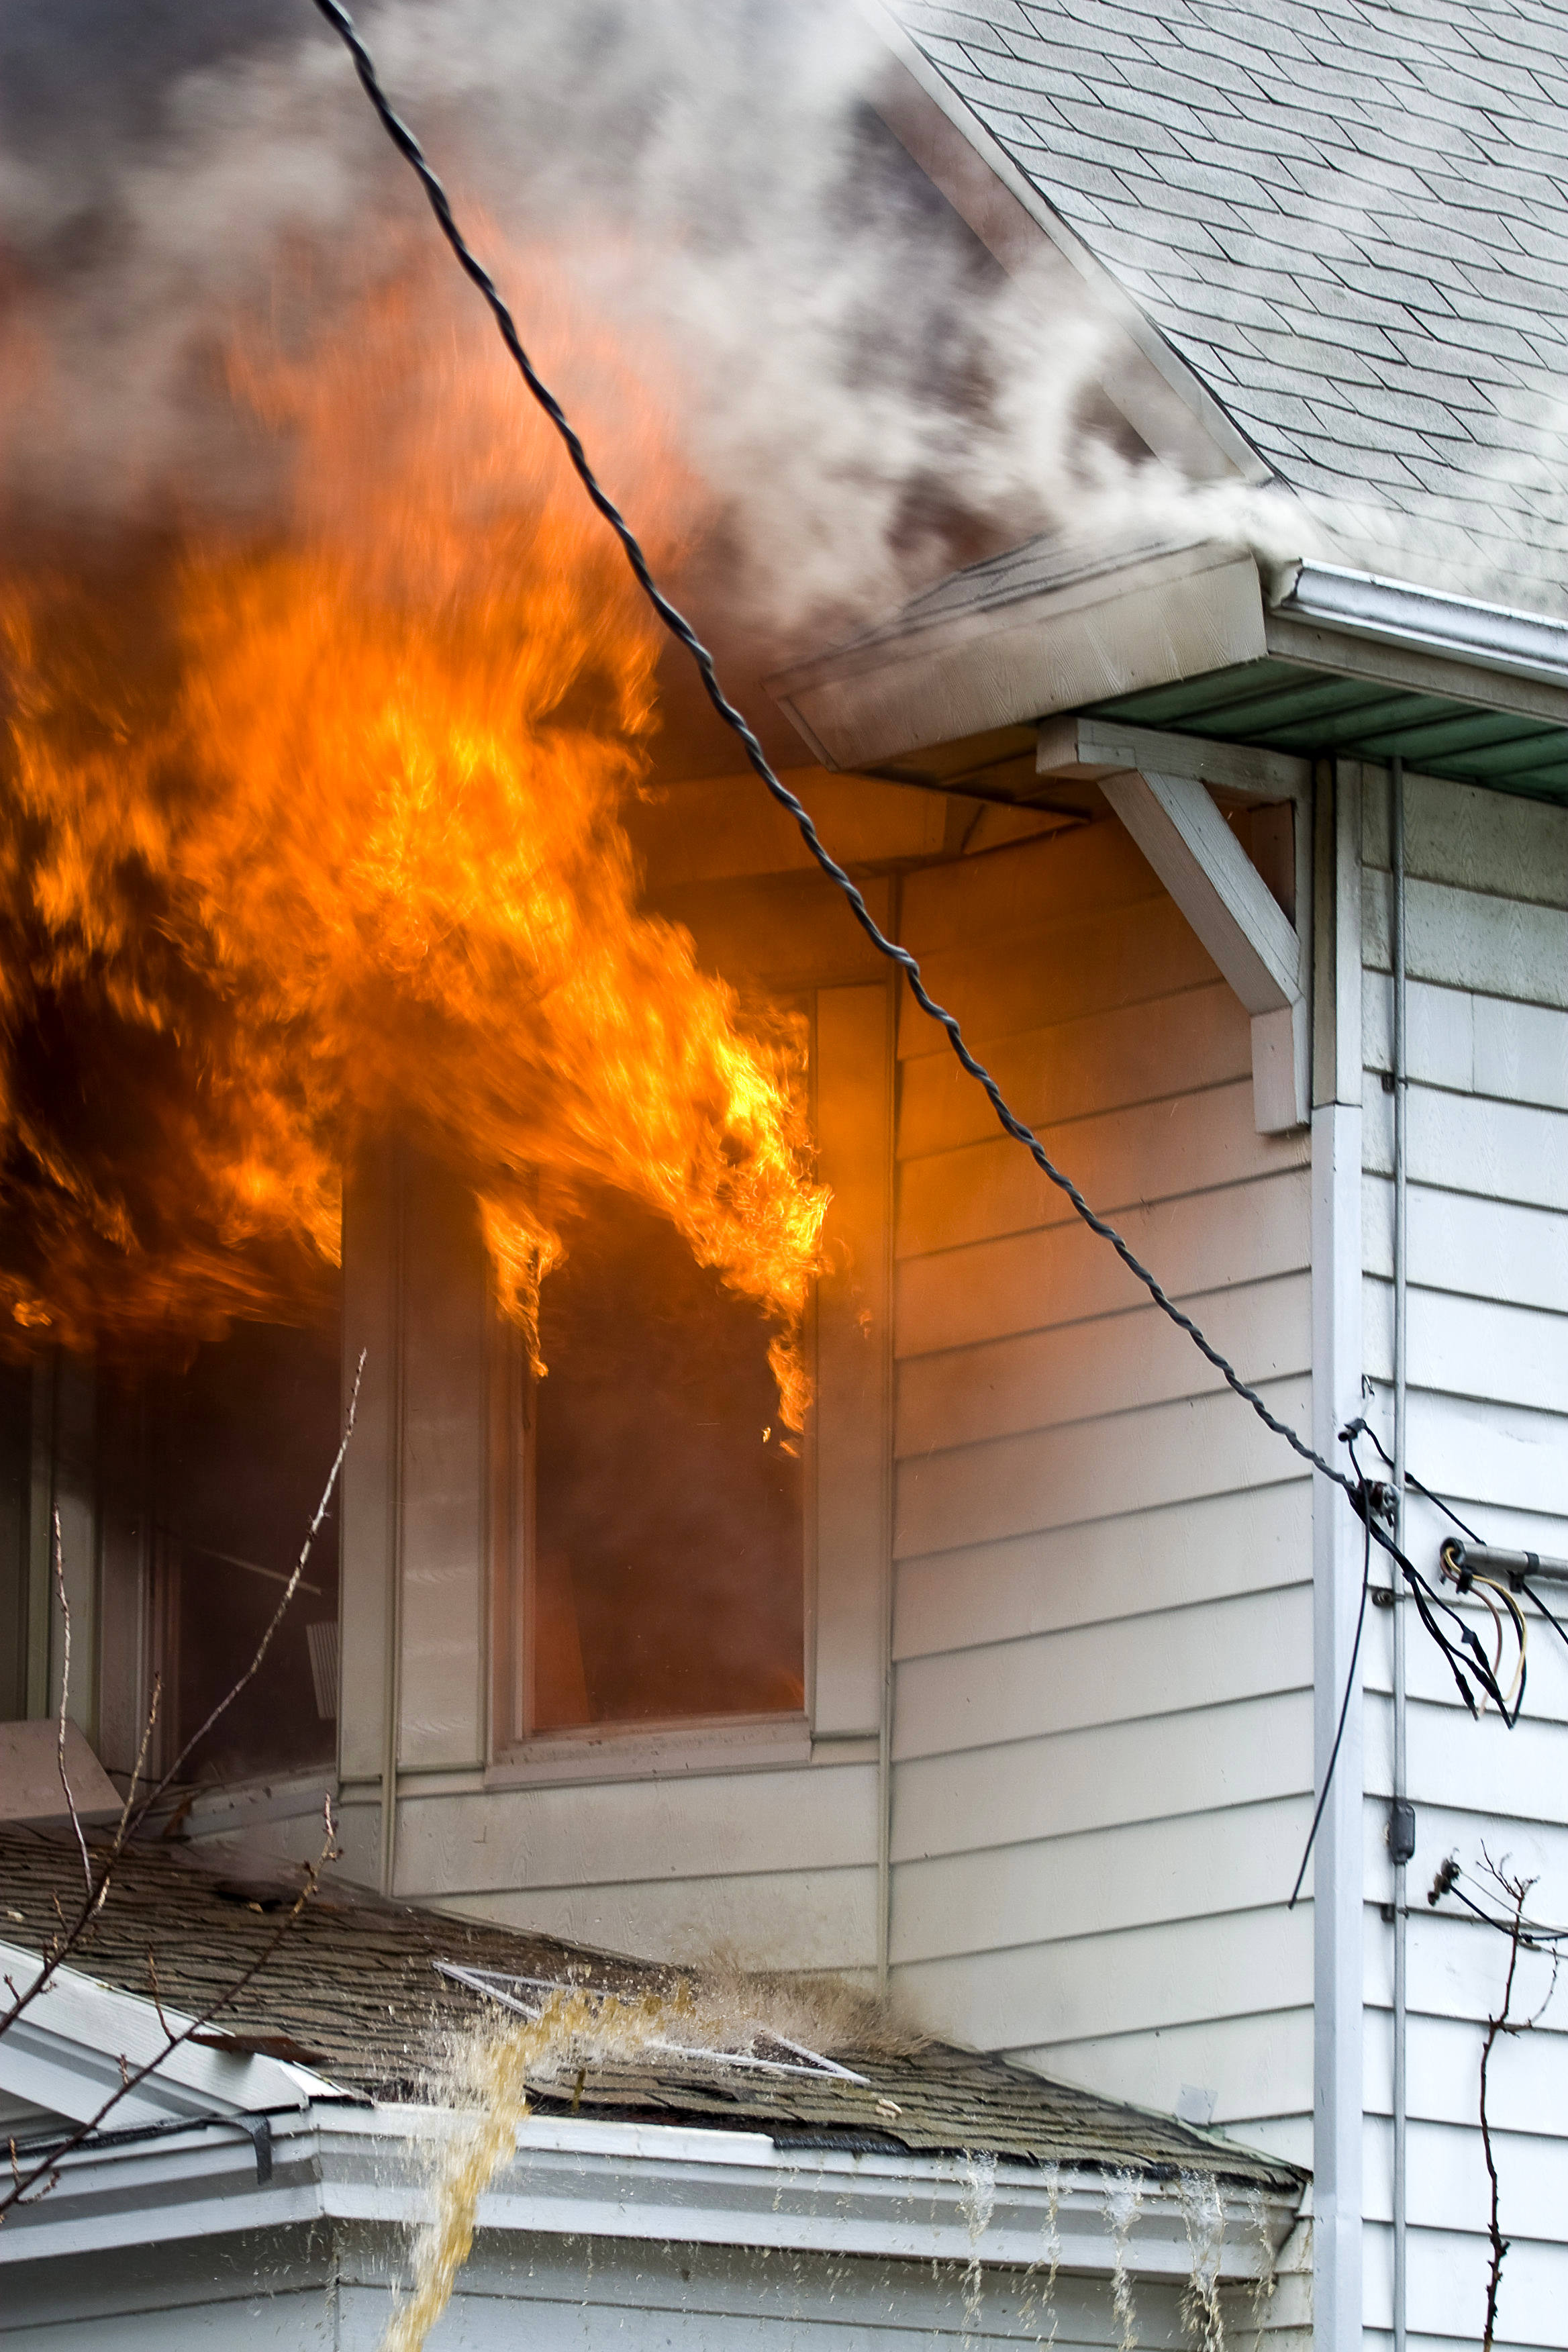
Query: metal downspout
{"points": [[1338, 1916], [1397, 943]]}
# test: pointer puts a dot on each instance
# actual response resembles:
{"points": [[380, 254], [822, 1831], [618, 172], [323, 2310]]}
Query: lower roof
{"points": [[353, 1992]]}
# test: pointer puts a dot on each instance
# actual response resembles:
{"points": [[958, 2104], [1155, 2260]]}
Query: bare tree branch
{"points": [[73, 1934], [1516, 1892], [59, 1566], [46, 2171], [289, 1591]]}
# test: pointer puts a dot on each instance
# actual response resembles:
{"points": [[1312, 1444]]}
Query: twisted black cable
{"points": [[1425, 1493], [679, 628], [1344, 1703]]}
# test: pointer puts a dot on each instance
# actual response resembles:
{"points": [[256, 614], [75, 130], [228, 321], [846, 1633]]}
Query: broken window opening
{"points": [[664, 1564], [229, 1454]]}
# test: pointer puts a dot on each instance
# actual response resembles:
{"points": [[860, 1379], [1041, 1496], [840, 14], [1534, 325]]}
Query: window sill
{"points": [[656, 1752]]}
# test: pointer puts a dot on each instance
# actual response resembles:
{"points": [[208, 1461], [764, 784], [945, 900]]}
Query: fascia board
{"points": [[649, 2183], [199, 2182], [64, 2052], [1174, 377], [1144, 622]]}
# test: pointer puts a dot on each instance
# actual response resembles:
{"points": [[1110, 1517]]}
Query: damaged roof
{"points": [[1350, 221], [354, 1992]]}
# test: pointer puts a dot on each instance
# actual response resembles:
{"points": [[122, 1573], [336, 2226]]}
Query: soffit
{"points": [[1288, 706]]}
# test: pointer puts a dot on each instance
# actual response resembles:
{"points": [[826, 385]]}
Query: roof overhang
{"points": [[1042, 630], [79, 2046], [1143, 374], [1186, 637], [648, 2182]]}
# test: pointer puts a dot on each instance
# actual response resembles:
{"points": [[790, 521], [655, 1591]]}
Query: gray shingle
{"points": [[352, 1987], [1351, 218]]}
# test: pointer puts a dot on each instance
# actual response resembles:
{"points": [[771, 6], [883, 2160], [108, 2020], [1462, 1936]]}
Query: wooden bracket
{"points": [[1164, 802]]}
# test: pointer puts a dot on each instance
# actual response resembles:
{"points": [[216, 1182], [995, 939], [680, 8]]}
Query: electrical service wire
{"points": [[681, 630], [1532, 1933], [1531, 1594], [1344, 1703], [1356, 1488], [1425, 1596]]}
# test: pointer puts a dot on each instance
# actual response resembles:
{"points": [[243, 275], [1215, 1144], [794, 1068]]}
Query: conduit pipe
{"points": [[1467, 1559], [1401, 1840]]}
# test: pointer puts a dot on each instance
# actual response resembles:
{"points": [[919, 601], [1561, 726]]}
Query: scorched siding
{"points": [[1486, 929], [1103, 1716]]}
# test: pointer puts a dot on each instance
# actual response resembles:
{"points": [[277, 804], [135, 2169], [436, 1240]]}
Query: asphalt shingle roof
{"points": [[351, 1990], [1349, 219]]}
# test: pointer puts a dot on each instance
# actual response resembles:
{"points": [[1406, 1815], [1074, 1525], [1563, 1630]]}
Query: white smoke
{"points": [[866, 396]]}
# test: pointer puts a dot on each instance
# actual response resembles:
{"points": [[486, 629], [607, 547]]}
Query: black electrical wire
{"points": [[1531, 1932], [1556, 1625], [675, 621], [1344, 1703], [1425, 1492], [1423, 1596], [1465, 1528], [1428, 1598]]}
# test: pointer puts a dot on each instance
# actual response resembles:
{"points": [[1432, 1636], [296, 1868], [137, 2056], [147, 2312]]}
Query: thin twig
{"points": [[73, 1934], [65, 1699], [1516, 1890], [289, 1591], [132, 2077], [157, 2001], [149, 1726]]}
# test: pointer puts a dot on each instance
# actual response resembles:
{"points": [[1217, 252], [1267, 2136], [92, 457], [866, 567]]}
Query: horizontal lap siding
{"points": [[773, 1867], [1487, 1322], [817, 1920], [1102, 1719]]}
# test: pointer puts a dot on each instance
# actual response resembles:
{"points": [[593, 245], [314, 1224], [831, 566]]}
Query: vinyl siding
{"points": [[1488, 1321], [1103, 1639]]}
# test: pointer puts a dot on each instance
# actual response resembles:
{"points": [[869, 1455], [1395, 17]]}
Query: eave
{"points": [[1186, 638], [649, 2183]]}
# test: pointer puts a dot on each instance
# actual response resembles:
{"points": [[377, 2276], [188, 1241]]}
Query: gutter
{"points": [[1424, 620], [649, 2183]]}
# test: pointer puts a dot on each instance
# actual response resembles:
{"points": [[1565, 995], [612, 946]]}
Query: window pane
{"points": [[667, 1555]]}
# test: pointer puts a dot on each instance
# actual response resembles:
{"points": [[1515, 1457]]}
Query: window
{"points": [[227, 1458], [664, 1566]]}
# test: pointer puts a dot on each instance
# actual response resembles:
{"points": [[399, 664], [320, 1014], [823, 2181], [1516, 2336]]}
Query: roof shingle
{"points": [[1404, 172], [353, 1986]]}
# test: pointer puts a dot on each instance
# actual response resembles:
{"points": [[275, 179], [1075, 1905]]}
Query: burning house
{"points": [[786, 1531]]}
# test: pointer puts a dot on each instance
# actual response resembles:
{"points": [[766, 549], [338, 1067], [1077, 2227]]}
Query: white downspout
{"points": [[1338, 1995], [1396, 1817]]}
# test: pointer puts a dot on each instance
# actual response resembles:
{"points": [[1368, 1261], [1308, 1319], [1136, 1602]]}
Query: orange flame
{"points": [[310, 838]]}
